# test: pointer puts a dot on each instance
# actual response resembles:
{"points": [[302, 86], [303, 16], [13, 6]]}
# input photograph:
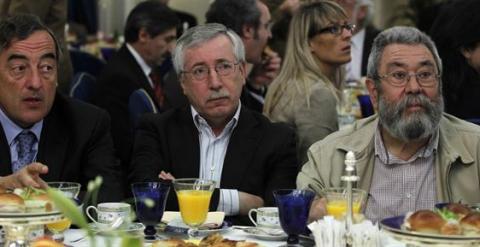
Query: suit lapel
{"points": [[53, 143], [241, 148], [5, 158], [188, 147], [142, 79]]}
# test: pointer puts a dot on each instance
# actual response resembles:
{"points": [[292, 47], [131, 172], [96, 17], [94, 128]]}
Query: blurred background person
{"points": [[360, 13], [251, 20], [53, 13], [150, 36], [306, 92], [456, 34]]}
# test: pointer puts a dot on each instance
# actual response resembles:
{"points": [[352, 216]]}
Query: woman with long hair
{"points": [[306, 92]]}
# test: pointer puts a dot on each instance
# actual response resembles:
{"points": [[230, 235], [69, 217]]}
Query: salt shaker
{"points": [[349, 178]]}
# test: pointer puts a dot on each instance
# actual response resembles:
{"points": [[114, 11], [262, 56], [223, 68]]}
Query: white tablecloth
{"points": [[234, 234]]}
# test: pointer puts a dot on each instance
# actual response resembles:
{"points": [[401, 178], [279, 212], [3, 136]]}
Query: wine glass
{"points": [[194, 200], [70, 190], [150, 200], [293, 208]]}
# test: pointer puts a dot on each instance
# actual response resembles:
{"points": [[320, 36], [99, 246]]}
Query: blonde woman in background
{"points": [[306, 92]]}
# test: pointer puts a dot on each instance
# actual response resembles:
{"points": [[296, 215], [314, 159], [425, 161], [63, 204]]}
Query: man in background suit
{"points": [[360, 13], [150, 35], [38, 125], [251, 20], [216, 137]]}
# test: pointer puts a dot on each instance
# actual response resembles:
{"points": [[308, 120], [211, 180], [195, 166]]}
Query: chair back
{"points": [[85, 62], [140, 103], [82, 87]]}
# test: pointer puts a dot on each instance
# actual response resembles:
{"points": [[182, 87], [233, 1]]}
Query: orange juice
{"points": [[59, 226], [194, 206], [338, 208]]}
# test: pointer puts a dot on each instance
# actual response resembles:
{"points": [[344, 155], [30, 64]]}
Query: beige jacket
{"points": [[311, 122], [457, 160]]}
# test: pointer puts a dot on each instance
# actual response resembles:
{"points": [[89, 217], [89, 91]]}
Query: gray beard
{"points": [[416, 126]]}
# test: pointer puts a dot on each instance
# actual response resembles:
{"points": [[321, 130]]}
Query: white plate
{"points": [[393, 226], [261, 234], [177, 226]]}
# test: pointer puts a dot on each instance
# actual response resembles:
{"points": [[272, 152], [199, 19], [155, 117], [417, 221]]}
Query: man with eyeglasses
{"points": [[412, 154], [216, 137]]}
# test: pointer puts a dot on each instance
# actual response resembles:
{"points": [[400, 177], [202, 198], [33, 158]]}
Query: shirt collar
{"points": [[382, 153], [199, 120], [143, 65], [11, 129]]}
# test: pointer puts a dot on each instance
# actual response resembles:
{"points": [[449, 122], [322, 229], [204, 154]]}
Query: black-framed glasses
{"points": [[201, 72], [427, 78], [337, 29]]}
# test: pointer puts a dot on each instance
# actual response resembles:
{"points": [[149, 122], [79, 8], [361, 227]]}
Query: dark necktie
{"points": [[157, 87], [25, 141]]}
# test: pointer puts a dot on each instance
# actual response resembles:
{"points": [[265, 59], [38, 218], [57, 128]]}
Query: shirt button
{"points": [[408, 195]]}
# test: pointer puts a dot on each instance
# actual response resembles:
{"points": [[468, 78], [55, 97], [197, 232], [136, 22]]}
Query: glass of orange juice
{"points": [[193, 196], [337, 201], [70, 190]]}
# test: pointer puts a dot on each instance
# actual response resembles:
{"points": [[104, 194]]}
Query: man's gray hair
{"points": [[200, 34], [399, 35]]}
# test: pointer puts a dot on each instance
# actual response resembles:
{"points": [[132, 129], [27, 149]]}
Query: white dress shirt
{"points": [[212, 155], [143, 65], [354, 67]]}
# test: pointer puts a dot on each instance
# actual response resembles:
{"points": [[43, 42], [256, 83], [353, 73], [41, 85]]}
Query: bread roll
{"points": [[11, 203], [48, 204], [46, 242], [471, 223], [459, 209], [426, 221]]}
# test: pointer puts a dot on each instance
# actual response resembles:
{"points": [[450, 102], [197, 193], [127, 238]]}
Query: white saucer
{"points": [[177, 226], [131, 228], [262, 235]]}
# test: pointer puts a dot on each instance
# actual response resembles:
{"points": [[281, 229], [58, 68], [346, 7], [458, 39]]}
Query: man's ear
{"points": [[143, 35], [243, 71], [372, 91], [467, 53], [248, 32]]}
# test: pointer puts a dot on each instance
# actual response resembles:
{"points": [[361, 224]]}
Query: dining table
{"points": [[76, 238]]}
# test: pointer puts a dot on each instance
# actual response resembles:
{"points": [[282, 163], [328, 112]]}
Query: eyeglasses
{"points": [[201, 72], [426, 78], [337, 29]]}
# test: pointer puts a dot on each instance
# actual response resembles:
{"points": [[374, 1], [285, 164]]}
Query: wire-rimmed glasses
{"points": [[223, 68], [425, 78]]}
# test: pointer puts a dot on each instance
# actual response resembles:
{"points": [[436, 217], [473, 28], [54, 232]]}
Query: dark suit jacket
{"points": [[260, 158], [121, 76], [370, 34], [76, 146]]}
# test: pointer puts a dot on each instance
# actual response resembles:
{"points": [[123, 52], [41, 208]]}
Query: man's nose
{"points": [[34, 80], [214, 80], [412, 84]]}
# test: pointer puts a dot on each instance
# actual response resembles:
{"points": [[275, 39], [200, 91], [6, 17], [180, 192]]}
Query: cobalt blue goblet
{"points": [[150, 200], [293, 207]]}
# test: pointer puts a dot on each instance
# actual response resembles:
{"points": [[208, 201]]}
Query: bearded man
{"points": [[412, 154]]}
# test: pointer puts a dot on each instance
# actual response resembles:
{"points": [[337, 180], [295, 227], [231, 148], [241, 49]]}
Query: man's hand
{"points": [[318, 209], [166, 175], [28, 176], [289, 6], [248, 201], [263, 74]]}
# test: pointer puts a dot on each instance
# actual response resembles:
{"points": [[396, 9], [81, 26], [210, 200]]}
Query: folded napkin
{"points": [[213, 218], [329, 232]]}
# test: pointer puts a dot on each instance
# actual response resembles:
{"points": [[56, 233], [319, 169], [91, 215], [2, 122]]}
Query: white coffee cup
{"points": [[108, 212], [266, 217]]}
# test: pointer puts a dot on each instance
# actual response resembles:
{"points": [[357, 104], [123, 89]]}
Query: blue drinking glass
{"points": [[293, 208], [150, 200]]}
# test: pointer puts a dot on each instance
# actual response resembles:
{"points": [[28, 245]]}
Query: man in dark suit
{"points": [[216, 137], [38, 125], [150, 35], [251, 20], [360, 13]]}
